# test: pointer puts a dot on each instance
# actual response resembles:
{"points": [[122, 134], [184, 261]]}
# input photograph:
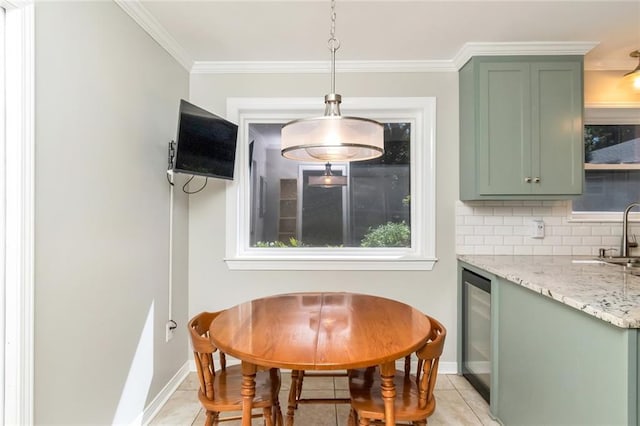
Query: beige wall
{"points": [[106, 106], [213, 286], [608, 87]]}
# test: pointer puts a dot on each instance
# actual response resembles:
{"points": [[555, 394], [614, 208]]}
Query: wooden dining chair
{"points": [[295, 392], [220, 388], [414, 392]]}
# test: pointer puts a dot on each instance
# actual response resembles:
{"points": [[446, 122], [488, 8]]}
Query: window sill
{"points": [[329, 264]]}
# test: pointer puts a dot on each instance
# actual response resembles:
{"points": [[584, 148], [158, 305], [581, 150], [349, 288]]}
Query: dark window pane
{"points": [[612, 144], [374, 204], [608, 190]]}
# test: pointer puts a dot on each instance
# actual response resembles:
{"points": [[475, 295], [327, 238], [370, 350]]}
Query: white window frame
{"points": [[610, 113], [420, 111], [18, 210]]}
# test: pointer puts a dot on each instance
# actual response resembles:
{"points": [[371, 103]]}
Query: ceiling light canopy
{"points": [[327, 179], [332, 137], [634, 76]]}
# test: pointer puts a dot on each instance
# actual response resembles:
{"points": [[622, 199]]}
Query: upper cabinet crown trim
{"points": [[470, 50]]}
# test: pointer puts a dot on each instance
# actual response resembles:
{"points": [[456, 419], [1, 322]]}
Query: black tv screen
{"points": [[206, 144]]}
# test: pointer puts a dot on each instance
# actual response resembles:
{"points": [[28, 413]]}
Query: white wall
{"points": [[213, 286], [106, 106]]}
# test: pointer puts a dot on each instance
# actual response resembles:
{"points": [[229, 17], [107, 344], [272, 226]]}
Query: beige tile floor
{"points": [[457, 404]]}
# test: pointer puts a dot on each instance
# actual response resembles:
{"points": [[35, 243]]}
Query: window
{"points": [[18, 209], [381, 217], [612, 164]]}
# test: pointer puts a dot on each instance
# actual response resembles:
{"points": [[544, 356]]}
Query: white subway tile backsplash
{"points": [[522, 211], [483, 230], [560, 230], [504, 228], [522, 250], [513, 220], [503, 250], [601, 230], [543, 251], [541, 211], [522, 230], [552, 240], [484, 250], [494, 240], [581, 230], [581, 251], [592, 241], [464, 230], [612, 241], [474, 240], [552, 220], [515, 240], [474, 220], [562, 250], [483, 211], [572, 241], [503, 211], [493, 220]]}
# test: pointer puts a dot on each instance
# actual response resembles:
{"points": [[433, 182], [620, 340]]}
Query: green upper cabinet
{"points": [[521, 127]]}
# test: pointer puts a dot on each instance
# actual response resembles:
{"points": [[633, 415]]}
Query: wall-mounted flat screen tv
{"points": [[206, 143]]}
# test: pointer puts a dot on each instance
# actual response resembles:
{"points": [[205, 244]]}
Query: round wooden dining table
{"points": [[320, 331]]}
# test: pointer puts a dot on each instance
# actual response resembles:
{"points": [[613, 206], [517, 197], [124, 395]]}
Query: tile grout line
{"points": [[469, 405]]}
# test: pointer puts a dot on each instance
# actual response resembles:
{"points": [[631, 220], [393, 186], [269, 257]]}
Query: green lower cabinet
{"points": [[555, 365]]}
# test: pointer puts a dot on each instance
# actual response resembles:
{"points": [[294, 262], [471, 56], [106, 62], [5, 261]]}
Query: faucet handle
{"points": [[602, 252], [633, 241]]}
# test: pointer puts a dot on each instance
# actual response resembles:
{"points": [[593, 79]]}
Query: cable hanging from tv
{"points": [[170, 171], [184, 187]]}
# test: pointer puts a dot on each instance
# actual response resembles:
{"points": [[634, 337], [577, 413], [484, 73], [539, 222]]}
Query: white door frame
{"points": [[18, 222]]}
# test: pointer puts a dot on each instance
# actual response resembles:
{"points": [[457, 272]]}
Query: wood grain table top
{"points": [[320, 331]]}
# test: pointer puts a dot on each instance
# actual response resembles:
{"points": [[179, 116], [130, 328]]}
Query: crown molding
{"points": [[521, 48], [142, 17], [310, 67]]}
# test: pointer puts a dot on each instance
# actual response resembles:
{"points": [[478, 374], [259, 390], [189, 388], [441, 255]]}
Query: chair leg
{"points": [[268, 416], [277, 413], [364, 421], [293, 396], [353, 418], [211, 419], [299, 387]]}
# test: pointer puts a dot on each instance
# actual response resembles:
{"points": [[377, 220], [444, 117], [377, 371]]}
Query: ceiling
{"points": [[429, 31]]}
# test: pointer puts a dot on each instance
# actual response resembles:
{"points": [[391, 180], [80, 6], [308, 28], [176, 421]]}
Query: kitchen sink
{"points": [[633, 261]]}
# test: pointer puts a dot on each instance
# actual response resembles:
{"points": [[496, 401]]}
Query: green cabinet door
{"points": [[504, 128], [556, 133], [521, 128]]}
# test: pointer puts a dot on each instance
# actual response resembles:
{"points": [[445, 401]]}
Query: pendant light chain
{"points": [[332, 137], [334, 44]]}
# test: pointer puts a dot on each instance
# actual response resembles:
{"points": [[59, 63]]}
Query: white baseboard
{"points": [[448, 368], [166, 392]]}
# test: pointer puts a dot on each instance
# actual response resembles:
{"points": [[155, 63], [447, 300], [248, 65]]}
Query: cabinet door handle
{"points": [[536, 180], [527, 180]]}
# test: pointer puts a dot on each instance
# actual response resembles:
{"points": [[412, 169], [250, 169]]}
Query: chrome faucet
{"points": [[624, 249]]}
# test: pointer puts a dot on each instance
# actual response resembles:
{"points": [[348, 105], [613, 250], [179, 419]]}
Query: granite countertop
{"points": [[599, 289]]}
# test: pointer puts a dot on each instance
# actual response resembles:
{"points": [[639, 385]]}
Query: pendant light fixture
{"points": [[634, 76], [327, 179], [332, 137]]}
